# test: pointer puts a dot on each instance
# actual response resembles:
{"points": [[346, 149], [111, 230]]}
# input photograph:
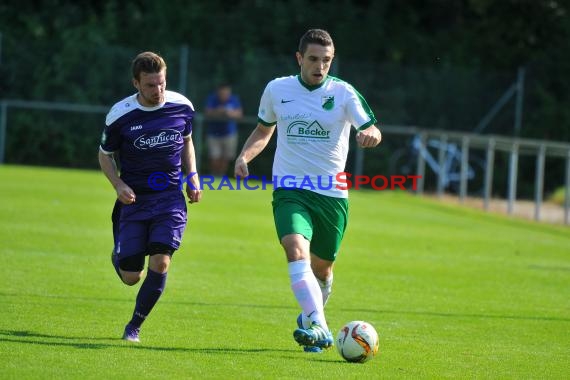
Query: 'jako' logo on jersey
{"points": [[164, 139], [308, 130]]}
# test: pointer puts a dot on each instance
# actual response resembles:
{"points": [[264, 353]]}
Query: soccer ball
{"points": [[357, 342]]}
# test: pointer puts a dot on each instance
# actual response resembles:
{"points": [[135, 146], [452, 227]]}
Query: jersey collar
{"points": [[144, 108], [311, 87]]}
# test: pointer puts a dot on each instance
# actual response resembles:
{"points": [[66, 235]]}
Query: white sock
{"points": [[326, 288], [307, 292]]}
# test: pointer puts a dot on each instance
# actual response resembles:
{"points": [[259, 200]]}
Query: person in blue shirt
{"points": [[224, 108]]}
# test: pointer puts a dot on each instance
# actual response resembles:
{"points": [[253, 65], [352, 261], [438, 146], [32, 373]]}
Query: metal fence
{"points": [[490, 144], [465, 143]]}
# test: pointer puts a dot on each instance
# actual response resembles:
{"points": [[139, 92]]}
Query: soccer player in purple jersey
{"points": [[151, 133]]}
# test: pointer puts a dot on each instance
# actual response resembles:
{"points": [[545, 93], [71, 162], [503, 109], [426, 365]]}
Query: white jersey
{"points": [[313, 130]]}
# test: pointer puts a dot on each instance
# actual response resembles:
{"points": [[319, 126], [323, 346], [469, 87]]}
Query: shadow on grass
{"points": [[395, 312], [292, 307], [29, 337], [130, 301]]}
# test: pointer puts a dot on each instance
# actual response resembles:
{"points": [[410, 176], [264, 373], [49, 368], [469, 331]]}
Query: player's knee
{"points": [[131, 278], [322, 269], [296, 247], [323, 274], [132, 268], [160, 256], [159, 266]]}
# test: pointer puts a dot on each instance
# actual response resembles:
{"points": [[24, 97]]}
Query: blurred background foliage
{"points": [[431, 63]]}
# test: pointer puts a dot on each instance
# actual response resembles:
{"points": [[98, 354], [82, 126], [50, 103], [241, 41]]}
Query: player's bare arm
{"points": [[369, 137], [254, 145], [189, 166], [125, 194]]}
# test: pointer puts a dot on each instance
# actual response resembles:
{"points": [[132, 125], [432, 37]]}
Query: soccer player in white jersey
{"points": [[313, 113]]}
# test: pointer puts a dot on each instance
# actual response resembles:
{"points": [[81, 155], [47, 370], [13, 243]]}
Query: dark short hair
{"points": [[315, 36], [147, 62]]}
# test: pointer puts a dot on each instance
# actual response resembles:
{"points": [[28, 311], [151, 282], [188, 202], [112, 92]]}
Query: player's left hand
{"points": [[193, 191], [369, 138]]}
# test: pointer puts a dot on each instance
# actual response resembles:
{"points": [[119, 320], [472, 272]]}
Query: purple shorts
{"points": [[151, 219]]}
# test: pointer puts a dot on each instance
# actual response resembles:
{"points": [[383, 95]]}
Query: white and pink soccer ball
{"points": [[357, 342]]}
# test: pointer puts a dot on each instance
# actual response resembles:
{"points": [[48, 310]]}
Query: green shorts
{"points": [[319, 218]]}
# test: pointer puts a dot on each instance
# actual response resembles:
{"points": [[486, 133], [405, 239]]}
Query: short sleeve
{"points": [[266, 114], [358, 111], [188, 126], [110, 139]]}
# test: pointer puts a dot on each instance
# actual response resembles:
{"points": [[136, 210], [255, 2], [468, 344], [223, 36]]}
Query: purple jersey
{"points": [[149, 141]]}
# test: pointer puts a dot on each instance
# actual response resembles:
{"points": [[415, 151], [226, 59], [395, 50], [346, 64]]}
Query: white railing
{"points": [[490, 144]]}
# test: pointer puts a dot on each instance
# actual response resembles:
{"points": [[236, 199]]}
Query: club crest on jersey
{"points": [[327, 101], [164, 139]]}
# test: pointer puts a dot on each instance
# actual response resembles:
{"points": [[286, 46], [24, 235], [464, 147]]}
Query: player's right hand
{"points": [[240, 169], [125, 194]]}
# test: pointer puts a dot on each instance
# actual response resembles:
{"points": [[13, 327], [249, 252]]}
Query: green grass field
{"points": [[453, 292]]}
